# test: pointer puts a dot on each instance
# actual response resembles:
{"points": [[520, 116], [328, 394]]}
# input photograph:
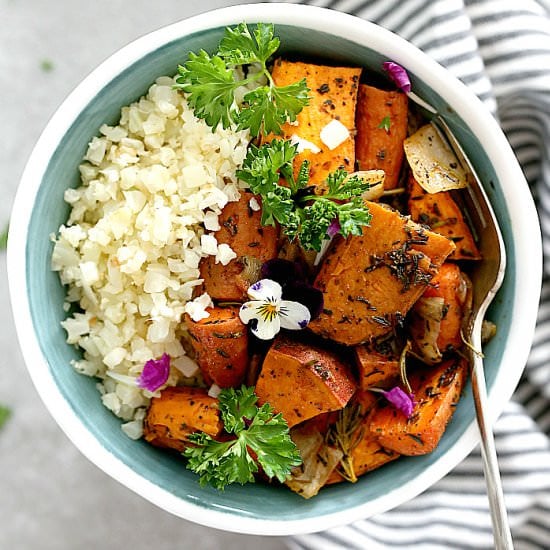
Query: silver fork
{"points": [[487, 277]]}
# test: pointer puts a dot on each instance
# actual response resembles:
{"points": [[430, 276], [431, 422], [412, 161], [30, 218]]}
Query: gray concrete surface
{"points": [[51, 497]]}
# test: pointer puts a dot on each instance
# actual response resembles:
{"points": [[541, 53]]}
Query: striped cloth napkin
{"points": [[501, 50]]}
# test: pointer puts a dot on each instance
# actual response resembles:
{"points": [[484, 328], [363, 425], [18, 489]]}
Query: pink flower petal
{"points": [[155, 373], [400, 400], [333, 228], [398, 74]]}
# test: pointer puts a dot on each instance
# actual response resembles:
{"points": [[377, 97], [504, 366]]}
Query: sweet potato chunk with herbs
{"points": [[361, 451], [440, 212], [381, 121], [437, 317], [375, 369], [254, 244], [333, 97], [178, 412], [302, 381], [436, 392], [220, 342], [370, 282]]}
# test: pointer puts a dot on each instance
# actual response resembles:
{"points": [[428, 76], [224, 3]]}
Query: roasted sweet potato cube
{"points": [[365, 452], [440, 212], [254, 244], [437, 317], [178, 412], [302, 381], [381, 122], [374, 368], [333, 97], [371, 281], [436, 392], [220, 342]]}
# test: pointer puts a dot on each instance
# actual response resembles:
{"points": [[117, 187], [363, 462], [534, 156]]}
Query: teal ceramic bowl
{"points": [[38, 295]]}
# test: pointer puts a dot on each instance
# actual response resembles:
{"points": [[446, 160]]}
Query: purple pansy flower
{"points": [[155, 373], [398, 74], [402, 401]]}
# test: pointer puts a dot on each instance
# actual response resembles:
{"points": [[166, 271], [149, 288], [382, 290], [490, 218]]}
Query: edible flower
{"points": [[401, 400], [155, 373], [398, 74], [401, 78], [267, 312], [292, 277]]}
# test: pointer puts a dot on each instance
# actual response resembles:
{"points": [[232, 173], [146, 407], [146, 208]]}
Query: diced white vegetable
{"points": [[434, 165], [334, 134]]}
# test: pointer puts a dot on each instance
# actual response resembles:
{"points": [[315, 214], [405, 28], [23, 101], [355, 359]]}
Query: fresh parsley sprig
{"points": [[255, 430], [210, 82], [301, 213]]}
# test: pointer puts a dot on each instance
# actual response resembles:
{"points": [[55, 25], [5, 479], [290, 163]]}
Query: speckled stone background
{"points": [[51, 497]]}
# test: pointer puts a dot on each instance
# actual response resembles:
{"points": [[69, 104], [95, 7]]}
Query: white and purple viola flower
{"points": [[267, 312]]}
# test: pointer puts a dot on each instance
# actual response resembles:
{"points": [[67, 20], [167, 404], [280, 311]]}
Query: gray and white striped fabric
{"points": [[501, 50]]}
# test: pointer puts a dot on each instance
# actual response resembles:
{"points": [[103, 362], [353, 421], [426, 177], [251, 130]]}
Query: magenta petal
{"points": [[399, 75], [155, 373], [333, 228], [400, 400]]}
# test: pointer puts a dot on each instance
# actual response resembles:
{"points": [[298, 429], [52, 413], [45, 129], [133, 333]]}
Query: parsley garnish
{"points": [[255, 429], [385, 124], [210, 82], [300, 212]]}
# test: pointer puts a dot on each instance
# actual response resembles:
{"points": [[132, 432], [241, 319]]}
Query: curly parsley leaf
{"points": [[256, 429], [240, 47], [210, 83], [302, 214]]}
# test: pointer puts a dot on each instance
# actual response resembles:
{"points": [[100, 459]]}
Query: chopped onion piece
{"points": [[303, 144], [375, 179], [334, 134], [434, 165]]}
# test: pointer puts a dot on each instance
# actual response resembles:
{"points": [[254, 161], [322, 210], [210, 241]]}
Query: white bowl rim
{"points": [[472, 111]]}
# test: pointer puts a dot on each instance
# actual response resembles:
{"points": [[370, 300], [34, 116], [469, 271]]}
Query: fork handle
{"points": [[497, 508]]}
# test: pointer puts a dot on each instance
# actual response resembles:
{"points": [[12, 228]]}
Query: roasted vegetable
{"points": [[302, 381], [220, 342], [433, 163], [370, 282], [376, 369], [381, 122], [318, 462], [241, 229], [438, 316], [442, 214], [325, 128], [436, 392], [178, 412]]}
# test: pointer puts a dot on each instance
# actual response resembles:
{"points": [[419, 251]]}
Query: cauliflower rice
{"points": [[152, 188]]}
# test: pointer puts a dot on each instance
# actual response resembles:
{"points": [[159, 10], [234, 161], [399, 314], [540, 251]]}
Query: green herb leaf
{"points": [[5, 413], [220, 463], [385, 124], [210, 83], [301, 214], [4, 238], [239, 47], [211, 88]]}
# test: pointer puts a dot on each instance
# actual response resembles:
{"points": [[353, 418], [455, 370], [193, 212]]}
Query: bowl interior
{"points": [[46, 297]]}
